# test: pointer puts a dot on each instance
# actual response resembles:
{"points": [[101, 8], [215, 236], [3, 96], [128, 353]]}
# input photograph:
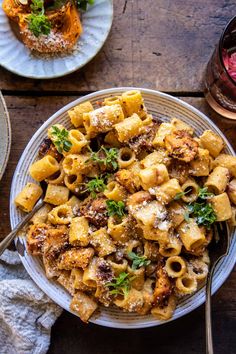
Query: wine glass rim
{"points": [[220, 48]]}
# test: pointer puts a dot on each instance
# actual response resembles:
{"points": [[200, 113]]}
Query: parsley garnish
{"points": [[181, 194], [110, 157], [203, 213], [60, 139], [138, 261], [83, 4], [95, 185], [115, 208], [120, 285], [38, 22], [204, 194]]}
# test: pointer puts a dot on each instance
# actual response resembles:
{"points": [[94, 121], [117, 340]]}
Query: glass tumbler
{"points": [[220, 79]]}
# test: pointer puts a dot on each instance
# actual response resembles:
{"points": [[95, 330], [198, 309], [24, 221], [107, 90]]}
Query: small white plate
{"points": [[163, 107], [5, 135], [17, 58]]}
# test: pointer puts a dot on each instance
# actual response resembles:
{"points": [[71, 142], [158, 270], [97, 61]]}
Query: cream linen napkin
{"points": [[26, 313]]}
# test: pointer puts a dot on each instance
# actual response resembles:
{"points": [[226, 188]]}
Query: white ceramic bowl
{"points": [[17, 58], [164, 107], [5, 135]]}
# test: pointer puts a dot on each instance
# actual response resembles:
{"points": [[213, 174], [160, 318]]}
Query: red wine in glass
{"points": [[220, 81]]}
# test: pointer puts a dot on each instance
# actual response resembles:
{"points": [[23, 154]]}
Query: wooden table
{"points": [[158, 44]]}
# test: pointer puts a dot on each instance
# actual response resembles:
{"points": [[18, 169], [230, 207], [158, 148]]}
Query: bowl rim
{"points": [[6, 118], [64, 109]]}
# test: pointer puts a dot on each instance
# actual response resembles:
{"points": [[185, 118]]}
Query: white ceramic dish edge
{"points": [[98, 321], [7, 144]]}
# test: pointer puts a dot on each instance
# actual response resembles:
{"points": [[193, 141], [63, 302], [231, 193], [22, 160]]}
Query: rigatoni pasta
{"points": [[131, 205]]}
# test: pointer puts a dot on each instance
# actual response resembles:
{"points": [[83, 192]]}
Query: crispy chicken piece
{"points": [[83, 305], [179, 170], [56, 242], [163, 288], [36, 237], [95, 211], [137, 199], [75, 258], [65, 280], [47, 148], [128, 180], [144, 141], [181, 145]]}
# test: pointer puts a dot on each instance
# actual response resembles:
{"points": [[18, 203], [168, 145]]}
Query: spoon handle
{"points": [[209, 341], [8, 239]]}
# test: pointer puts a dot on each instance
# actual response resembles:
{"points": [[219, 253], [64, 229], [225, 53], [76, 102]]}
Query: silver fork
{"points": [[218, 249], [10, 237]]}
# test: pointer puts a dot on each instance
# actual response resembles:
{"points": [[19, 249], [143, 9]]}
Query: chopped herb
{"points": [[181, 194], [138, 261], [203, 212], [115, 208], [83, 4], [37, 6], [95, 185], [60, 139], [120, 285], [186, 216], [110, 157], [38, 23], [204, 194]]}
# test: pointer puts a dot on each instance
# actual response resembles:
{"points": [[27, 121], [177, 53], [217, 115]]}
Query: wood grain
{"points": [[157, 44], [69, 335]]}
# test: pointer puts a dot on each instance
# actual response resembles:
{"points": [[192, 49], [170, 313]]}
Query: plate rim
{"points": [[65, 108], [78, 67], [9, 135]]}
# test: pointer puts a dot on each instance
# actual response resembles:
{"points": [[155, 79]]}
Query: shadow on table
{"points": [[184, 336]]}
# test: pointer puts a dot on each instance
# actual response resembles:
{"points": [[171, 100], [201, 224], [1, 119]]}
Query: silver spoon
{"points": [[219, 249], [10, 237]]}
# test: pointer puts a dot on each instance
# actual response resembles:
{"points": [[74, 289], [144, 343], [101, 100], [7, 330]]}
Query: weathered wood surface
{"points": [[69, 335], [159, 44]]}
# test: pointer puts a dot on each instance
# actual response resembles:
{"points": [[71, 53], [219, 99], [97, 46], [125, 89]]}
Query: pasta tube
{"points": [[226, 161], [133, 103], [28, 197], [175, 266], [103, 119], [191, 235], [212, 142], [44, 168], [76, 113], [222, 208], [129, 128], [56, 195], [218, 180]]}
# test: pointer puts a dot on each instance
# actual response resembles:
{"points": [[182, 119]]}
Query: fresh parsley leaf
{"points": [[120, 285], [204, 194], [60, 139], [95, 185], [138, 261], [115, 208], [107, 157], [38, 23], [83, 4], [37, 6], [203, 213]]}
